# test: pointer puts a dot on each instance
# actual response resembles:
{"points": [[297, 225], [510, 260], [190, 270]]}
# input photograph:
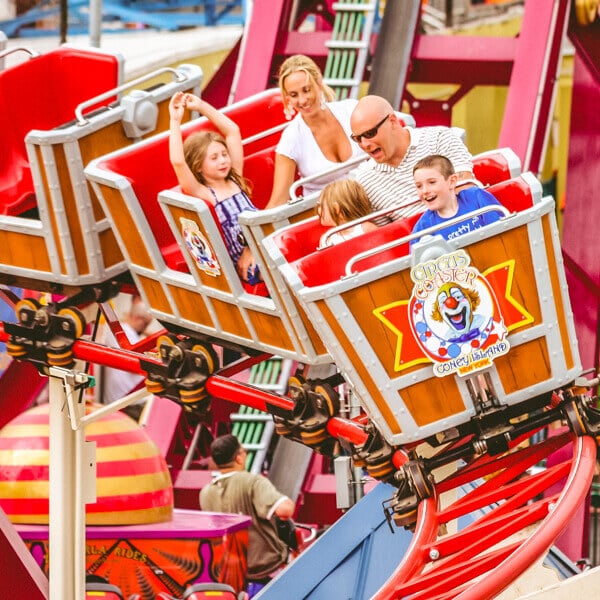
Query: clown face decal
{"points": [[455, 306], [199, 248], [454, 315]]}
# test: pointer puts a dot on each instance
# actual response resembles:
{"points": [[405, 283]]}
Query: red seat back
{"points": [[27, 93], [147, 168], [329, 264], [258, 169], [515, 194], [496, 165]]}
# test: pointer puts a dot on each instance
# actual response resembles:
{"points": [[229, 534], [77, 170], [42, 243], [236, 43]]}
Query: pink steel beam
{"points": [[437, 569], [528, 109], [258, 48]]}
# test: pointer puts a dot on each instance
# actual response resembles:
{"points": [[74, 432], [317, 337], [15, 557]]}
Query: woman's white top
{"points": [[298, 143]]}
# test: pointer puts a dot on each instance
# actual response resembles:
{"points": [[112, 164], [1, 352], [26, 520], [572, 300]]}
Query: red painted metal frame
{"points": [[473, 564], [218, 385]]}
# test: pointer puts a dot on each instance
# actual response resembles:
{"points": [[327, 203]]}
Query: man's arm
{"points": [[284, 508], [466, 179]]}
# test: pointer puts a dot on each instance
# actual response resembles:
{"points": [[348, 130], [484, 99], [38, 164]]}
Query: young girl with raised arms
{"points": [[209, 165]]}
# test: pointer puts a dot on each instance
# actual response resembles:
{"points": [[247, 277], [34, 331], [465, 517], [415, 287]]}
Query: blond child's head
{"points": [[343, 201]]}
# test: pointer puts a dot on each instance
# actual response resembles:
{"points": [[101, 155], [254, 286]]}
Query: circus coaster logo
{"points": [[199, 248], [454, 315]]}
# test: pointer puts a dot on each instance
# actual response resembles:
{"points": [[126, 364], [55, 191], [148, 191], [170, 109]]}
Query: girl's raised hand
{"points": [[192, 102], [177, 106]]}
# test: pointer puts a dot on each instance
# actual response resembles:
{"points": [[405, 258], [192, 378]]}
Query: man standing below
{"points": [[234, 490], [114, 383], [395, 149]]}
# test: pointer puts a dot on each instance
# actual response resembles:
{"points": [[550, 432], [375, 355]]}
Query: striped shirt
{"points": [[388, 187]]}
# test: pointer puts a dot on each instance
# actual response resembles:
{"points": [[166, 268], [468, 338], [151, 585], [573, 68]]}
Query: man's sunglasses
{"points": [[370, 133]]}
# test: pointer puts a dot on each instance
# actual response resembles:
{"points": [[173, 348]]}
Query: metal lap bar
{"points": [[32, 53], [429, 231], [300, 182], [178, 76], [264, 134], [370, 217]]}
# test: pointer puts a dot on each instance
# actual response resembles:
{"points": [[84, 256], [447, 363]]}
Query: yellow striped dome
{"points": [[133, 481]]}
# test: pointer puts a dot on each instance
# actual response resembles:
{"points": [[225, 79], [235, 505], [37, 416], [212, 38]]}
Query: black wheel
{"points": [[76, 318], [330, 397]]}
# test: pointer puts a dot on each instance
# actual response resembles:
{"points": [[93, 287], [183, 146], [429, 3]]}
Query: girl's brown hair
{"points": [[346, 200], [195, 148]]}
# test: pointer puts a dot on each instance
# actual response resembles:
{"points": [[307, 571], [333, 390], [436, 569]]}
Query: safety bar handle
{"points": [[412, 236], [383, 212], [32, 53], [298, 183], [179, 76]]}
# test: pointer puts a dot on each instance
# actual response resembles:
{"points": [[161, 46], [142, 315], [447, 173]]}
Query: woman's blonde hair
{"points": [[195, 148], [300, 62], [346, 200]]}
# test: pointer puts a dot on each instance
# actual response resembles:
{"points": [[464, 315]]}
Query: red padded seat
{"points": [[63, 78], [515, 194]]}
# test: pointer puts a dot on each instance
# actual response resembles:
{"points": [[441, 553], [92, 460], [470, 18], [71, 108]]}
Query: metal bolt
{"points": [[434, 554]]}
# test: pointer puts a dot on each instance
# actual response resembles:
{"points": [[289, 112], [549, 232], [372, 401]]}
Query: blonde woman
{"points": [[318, 137]]}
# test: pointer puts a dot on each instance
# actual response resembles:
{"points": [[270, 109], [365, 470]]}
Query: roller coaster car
{"points": [[174, 247], [176, 262], [428, 370], [53, 233]]}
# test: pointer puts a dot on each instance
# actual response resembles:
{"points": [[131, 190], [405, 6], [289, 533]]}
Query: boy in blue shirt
{"points": [[435, 181]]}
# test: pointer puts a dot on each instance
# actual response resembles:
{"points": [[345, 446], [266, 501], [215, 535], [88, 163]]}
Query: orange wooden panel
{"points": [[432, 400], [134, 242], [111, 253], [72, 210], [314, 337], [155, 294], [362, 370], [525, 365], [231, 319], [514, 244], [24, 250], [363, 300], [270, 330], [51, 209], [191, 306]]}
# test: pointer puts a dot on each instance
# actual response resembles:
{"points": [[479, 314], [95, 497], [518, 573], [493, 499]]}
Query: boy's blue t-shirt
{"points": [[468, 200]]}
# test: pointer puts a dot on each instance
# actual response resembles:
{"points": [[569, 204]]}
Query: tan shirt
{"points": [[240, 492]]}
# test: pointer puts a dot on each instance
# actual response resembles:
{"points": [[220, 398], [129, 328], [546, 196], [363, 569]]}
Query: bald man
{"points": [[394, 150]]}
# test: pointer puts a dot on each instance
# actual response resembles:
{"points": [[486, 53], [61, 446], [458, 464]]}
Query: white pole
{"points": [[66, 536], [95, 22]]}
